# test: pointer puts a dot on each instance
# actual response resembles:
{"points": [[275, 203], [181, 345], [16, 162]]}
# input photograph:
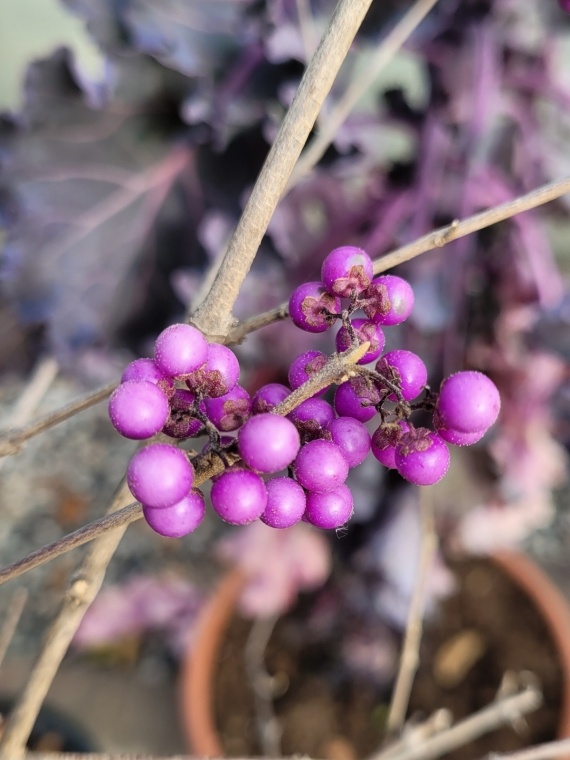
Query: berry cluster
{"points": [[191, 388]]}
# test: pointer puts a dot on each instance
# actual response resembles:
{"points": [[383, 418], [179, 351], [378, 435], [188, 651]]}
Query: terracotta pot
{"points": [[198, 670]]}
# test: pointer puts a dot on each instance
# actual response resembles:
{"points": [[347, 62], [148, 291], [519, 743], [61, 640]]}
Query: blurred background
{"points": [[130, 134]]}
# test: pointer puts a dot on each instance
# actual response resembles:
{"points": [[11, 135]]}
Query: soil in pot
{"points": [[487, 628]]}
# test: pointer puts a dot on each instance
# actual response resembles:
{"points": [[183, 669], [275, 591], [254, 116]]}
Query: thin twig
{"points": [[481, 722], [11, 441], [409, 659], [11, 620], [268, 727], [82, 590], [319, 76], [336, 117], [546, 751], [206, 466], [435, 239]]}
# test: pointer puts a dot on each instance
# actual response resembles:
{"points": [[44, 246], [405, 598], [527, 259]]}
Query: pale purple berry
{"points": [[180, 349], [160, 475], [311, 308], [385, 440], [468, 402], [357, 398], [389, 300], [143, 369], [178, 520], [329, 510], [268, 397], [304, 367], [239, 496], [230, 411], [454, 436], [406, 370], [365, 331], [218, 375], [351, 437], [346, 270], [320, 466], [268, 442], [422, 457], [138, 409], [312, 415], [286, 503]]}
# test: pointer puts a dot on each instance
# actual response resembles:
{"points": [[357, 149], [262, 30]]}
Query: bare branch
{"points": [[409, 659], [11, 620], [546, 751], [384, 53], [214, 315], [436, 239]]}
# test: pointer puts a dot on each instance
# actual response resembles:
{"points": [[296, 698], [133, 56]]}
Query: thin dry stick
{"points": [[297, 124], [436, 239], [546, 751], [409, 659], [481, 722], [82, 590], [205, 467], [11, 441], [336, 117], [11, 620]]}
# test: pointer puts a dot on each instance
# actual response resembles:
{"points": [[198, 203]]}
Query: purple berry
{"points": [[388, 300], [422, 457], [356, 398], [312, 415], [239, 496], [181, 423], [138, 409], [179, 519], [286, 503], [180, 349], [311, 307], [365, 331], [230, 411], [468, 402], [268, 397], [351, 437], [453, 436], [320, 466], [385, 440], [268, 442], [304, 367], [219, 374], [346, 270], [144, 369], [160, 475], [331, 509], [406, 370]]}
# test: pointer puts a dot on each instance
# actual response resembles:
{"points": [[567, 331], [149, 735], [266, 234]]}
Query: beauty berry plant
{"points": [[228, 115]]}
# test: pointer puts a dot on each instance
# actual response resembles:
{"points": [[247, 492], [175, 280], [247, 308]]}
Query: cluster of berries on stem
{"points": [[288, 465]]}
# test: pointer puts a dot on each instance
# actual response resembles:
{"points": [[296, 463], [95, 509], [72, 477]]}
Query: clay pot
{"points": [[198, 670]]}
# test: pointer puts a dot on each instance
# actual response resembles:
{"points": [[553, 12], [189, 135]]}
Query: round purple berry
{"points": [[138, 409], [385, 440], [351, 437], [331, 509], [365, 331], [218, 375], [468, 402], [311, 307], [180, 349], [347, 270], [286, 503], [159, 475], [304, 367], [239, 496], [422, 457], [312, 415], [320, 466], [356, 398], [404, 369], [181, 423], [268, 442], [143, 369], [453, 436], [179, 519], [230, 411], [388, 300], [268, 397]]}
